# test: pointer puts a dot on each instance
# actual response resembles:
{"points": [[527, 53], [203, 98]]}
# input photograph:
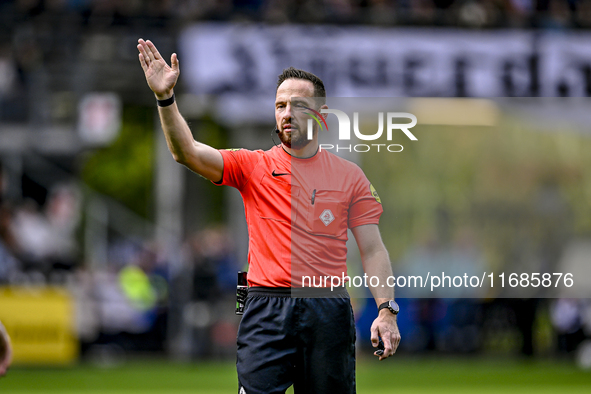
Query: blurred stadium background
{"points": [[112, 253]]}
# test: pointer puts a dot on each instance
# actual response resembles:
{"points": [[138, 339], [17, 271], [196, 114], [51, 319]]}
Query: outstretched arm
{"points": [[5, 351], [377, 263], [162, 78]]}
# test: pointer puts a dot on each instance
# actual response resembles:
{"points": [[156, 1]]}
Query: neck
{"points": [[304, 153]]}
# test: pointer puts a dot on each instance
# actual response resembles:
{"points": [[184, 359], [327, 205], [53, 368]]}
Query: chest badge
{"points": [[327, 217]]}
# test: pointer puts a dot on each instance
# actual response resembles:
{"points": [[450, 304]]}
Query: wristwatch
{"points": [[391, 305]]}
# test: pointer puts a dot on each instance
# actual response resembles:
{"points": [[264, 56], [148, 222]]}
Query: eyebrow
{"points": [[294, 100], [299, 101]]}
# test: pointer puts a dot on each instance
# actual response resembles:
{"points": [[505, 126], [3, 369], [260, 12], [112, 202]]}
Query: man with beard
{"points": [[299, 202]]}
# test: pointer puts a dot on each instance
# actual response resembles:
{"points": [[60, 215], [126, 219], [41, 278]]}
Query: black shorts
{"points": [[307, 342]]}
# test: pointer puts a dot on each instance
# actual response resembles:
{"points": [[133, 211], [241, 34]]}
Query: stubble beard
{"points": [[294, 140]]}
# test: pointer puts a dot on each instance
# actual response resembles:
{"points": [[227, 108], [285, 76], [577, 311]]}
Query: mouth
{"points": [[289, 127]]}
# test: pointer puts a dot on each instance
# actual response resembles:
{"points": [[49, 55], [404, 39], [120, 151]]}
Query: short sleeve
{"points": [[238, 166], [366, 206]]}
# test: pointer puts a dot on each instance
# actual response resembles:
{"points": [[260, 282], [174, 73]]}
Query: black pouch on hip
{"points": [[241, 292]]}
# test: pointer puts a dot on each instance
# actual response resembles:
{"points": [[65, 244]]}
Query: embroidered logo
{"points": [[280, 173], [327, 217]]}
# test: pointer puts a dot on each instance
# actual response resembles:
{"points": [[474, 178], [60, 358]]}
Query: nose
{"points": [[287, 113]]}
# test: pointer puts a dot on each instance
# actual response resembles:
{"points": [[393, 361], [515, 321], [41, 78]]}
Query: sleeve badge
{"points": [[374, 193]]}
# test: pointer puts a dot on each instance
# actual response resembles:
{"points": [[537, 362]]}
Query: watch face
{"points": [[393, 306]]}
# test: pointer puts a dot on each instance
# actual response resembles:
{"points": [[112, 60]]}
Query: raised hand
{"points": [[160, 76]]}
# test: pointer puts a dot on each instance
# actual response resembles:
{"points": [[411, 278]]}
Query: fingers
{"points": [[391, 341], [4, 366], [145, 50], [174, 62], [153, 51], [149, 53], [387, 330], [375, 340], [395, 341], [143, 62], [388, 351], [376, 333], [143, 53]]}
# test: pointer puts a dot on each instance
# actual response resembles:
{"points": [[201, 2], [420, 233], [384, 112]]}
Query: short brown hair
{"points": [[295, 73]]}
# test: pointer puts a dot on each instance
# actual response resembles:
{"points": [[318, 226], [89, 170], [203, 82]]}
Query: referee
{"points": [[299, 202]]}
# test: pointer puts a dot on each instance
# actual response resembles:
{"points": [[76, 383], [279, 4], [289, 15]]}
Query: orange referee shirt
{"points": [[298, 212]]}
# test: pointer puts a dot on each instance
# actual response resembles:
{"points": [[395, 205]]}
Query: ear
{"points": [[324, 107]]}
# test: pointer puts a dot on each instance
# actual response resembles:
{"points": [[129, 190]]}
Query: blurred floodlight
{"points": [[455, 111], [99, 117]]}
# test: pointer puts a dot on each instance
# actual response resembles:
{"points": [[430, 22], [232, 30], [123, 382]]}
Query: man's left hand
{"points": [[5, 351], [385, 327]]}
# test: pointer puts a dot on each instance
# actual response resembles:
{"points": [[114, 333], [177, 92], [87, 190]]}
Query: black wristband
{"points": [[166, 102]]}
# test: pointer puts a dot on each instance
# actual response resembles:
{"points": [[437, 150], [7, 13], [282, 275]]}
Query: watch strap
{"points": [[387, 305]]}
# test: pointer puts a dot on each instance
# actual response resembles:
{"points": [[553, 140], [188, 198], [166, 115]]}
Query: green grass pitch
{"points": [[404, 374]]}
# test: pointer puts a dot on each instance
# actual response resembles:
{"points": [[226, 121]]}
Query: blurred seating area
{"points": [[126, 291], [52, 51], [463, 13]]}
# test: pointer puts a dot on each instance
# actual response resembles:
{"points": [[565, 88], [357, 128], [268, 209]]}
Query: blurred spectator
{"points": [[444, 323], [469, 13], [209, 277], [204, 280], [10, 109], [33, 236], [203, 10], [8, 263], [571, 319], [8, 246], [214, 265], [63, 215], [45, 240], [525, 317], [132, 304], [555, 14], [7, 73], [380, 12]]}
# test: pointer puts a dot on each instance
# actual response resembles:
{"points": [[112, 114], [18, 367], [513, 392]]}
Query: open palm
{"points": [[160, 76]]}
